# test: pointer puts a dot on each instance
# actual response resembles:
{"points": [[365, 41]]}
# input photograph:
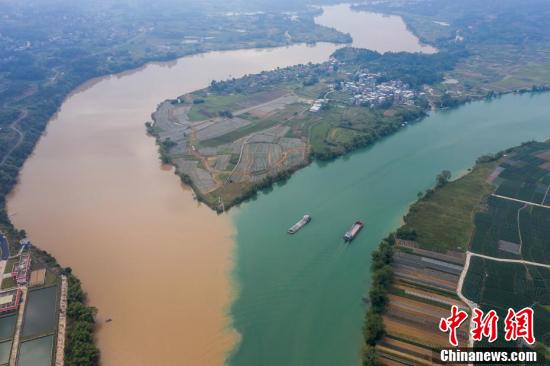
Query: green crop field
{"points": [[444, 220], [524, 179], [535, 229], [498, 223], [499, 286]]}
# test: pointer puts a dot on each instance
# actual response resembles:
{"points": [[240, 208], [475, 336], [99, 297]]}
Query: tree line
{"points": [[79, 347]]}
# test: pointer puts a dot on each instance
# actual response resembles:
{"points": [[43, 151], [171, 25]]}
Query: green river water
{"points": [[299, 298]]}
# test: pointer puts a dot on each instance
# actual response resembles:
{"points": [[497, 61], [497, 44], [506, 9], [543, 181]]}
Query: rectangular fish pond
{"points": [[40, 312], [7, 327], [5, 348], [36, 352], [39, 325]]}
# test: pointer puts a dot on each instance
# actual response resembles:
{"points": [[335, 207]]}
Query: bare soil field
{"points": [[223, 155], [430, 296], [403, 330], [400, 345]]}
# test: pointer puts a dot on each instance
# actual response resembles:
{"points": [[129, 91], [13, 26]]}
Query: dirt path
{"points": [[18, 327], [20, 135], [470, 304], [545, 195], [519, 229], [240, 157]]}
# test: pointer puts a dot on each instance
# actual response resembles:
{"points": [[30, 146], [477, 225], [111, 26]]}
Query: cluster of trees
{"points": [[164, 150], [440, 180], [447, 101], [312, 80], [225, 114], [415, 69], [382, 278], [79, 348], [264, 185], [406, 233], [309, 74]]}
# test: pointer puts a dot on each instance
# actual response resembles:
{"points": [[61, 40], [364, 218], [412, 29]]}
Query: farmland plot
{"points": [[498, 286]]}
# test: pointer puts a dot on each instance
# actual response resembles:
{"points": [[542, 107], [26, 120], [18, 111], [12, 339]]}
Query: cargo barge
{"points": [[353, 231], [300, 224]]}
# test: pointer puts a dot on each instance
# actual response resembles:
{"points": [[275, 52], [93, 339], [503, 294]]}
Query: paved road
{"points": [[519, 261], [4, 247], [520, 201]]}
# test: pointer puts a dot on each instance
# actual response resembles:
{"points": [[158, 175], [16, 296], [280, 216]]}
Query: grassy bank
{"points": [[452, 206]]}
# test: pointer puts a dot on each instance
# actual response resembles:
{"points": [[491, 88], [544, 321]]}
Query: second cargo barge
{"points": [[353, 231]]}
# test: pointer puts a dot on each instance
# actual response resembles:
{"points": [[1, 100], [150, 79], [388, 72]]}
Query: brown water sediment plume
{"points": [[95, 196]]}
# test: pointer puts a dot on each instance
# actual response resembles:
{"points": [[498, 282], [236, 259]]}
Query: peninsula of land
{"points": [[240, 135]]}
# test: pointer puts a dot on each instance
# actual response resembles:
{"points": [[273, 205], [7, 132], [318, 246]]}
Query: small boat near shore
{"points": [[300, 224], [353, 231]]}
